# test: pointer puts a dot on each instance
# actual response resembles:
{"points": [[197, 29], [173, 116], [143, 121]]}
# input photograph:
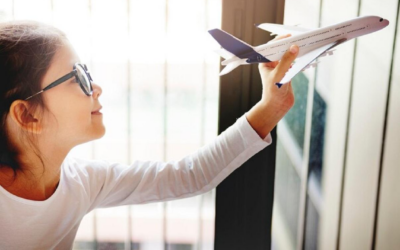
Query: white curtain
{"points": [[159, 75]]}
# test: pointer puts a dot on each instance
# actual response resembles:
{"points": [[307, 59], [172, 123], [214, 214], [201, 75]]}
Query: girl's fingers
{"points": [[268, 65], [275, 63], [286, 62]]}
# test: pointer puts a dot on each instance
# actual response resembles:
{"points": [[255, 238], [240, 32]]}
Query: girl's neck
{"points": [[37, 180], [27, 188]]}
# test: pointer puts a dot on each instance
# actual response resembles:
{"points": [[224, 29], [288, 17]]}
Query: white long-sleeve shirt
{"points": [[88, 184]]}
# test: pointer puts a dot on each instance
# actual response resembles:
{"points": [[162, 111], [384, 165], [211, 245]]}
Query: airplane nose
{"points": [[385, 22]]}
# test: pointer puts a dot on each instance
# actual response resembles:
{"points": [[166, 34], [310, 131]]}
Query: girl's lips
{"points": [[97, 112]]}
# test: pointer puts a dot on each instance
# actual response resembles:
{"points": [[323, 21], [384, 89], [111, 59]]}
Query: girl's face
{"points": [[71, 117]]}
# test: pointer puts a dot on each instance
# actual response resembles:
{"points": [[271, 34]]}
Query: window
{"points": [[298, 198]]}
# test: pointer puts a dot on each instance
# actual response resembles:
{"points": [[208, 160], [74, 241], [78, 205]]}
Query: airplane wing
{"points": [[230, 66], [278, 29], [303, 61]]}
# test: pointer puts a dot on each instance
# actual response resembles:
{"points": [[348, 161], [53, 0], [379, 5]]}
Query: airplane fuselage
{"points": [[313, 39]]}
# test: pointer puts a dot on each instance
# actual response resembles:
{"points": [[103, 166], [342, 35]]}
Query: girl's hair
{"points": [[26, 51]]}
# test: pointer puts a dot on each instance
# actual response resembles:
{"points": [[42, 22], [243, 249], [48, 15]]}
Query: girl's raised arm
{"points": [[115, 184]]}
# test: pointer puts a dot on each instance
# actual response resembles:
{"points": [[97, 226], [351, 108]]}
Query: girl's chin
{"points": [[98, 132], [101, 131]]}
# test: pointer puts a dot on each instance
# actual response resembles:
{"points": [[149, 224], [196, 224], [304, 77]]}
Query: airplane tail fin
{"points": [[231, 43], [231, 66]]}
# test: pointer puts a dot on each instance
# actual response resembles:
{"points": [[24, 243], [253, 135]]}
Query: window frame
{"points": [[244, 200]]}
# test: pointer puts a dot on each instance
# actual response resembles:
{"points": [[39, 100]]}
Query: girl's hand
{"points": [[272, 73], [275, 102]]}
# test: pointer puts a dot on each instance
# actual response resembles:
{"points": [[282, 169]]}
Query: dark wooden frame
{"points": [[244, 200]]}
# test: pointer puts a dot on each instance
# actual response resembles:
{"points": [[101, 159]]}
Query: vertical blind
{"points": [[329, 172], [160, 95]]}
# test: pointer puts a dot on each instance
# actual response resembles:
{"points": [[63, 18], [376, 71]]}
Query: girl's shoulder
{"points": [[80, 169]]}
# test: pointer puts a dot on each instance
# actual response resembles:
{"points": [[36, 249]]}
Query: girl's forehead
{"points": [[66, 56]]}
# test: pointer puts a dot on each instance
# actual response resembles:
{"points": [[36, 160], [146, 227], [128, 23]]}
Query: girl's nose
{"points": [[96, 90]]}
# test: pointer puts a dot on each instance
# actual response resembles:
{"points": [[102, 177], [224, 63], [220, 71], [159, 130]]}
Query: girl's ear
{"points": [[30, 122]]}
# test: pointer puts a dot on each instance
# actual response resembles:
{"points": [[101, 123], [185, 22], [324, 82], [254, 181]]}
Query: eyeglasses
{"points": [[82, 75]]}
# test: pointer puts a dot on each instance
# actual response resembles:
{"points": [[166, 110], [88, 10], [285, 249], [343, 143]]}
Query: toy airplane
{"points": [[312, 43]]}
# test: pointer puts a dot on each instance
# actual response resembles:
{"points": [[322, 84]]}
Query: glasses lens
{"points": [[83, 79]]}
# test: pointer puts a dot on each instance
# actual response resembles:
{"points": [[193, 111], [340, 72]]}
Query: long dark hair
{"points": [[26, 51]]}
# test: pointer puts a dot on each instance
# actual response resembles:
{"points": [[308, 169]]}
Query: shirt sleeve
{"points": [[114, 184]]}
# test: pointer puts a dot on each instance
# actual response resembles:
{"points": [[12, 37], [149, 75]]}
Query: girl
{"points": [[49, 104]]}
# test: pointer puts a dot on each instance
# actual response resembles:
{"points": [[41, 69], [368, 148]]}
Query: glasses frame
{"points": [[68, 76]]}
